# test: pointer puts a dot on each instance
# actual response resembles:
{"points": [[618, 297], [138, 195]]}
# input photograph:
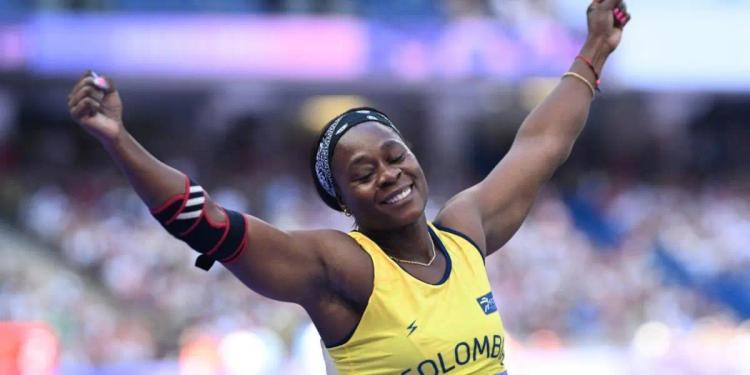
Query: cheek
{"points": [[415, 169], [358, 195], [420, 178]]}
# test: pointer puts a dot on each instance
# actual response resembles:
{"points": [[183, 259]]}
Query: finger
{"points": [[86, 107], [85, 74], [86, 91], [111, 85], [88, 80], [619, 16], [622, 11], [101, 82], [95, 80], [593, 4], [621, 25], [610, 4]]}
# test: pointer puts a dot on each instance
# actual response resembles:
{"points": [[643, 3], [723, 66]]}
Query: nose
{"points": [[390, 175]]}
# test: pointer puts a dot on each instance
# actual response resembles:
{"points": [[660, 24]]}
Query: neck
{"points": [[411, 242]]}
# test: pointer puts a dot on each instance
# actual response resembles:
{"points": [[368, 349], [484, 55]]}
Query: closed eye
{"points": [[364, 178], [399, 158]]}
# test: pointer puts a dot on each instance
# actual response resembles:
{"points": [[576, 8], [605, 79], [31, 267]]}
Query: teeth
{"points": [[400, 196]]}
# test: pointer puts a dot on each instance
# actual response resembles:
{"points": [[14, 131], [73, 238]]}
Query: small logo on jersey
{"points": [[412, 327], [487, 303]]}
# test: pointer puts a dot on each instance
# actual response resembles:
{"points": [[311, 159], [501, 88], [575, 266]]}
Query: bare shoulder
{"points": [[295, 266], [348, 268], [461, 213], [338, 307], [333, 246]]}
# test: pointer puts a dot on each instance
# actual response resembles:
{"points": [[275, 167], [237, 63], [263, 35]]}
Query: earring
{"points": [[346, 212]]}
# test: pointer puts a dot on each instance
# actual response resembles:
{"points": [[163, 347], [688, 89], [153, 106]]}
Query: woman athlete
{"points": [[399, 295]]}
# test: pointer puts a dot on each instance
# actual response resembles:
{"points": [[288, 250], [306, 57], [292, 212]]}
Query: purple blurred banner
{"points": [[288, 47], [13, 49], [470, 48], [205, 46]]}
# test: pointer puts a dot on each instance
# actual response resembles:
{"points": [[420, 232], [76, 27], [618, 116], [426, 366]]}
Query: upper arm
{"points": [[491, 211], [494, 209], [285, 266]]}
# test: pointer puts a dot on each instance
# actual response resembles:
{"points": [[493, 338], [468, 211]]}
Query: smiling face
{"points": [[378, 177]]}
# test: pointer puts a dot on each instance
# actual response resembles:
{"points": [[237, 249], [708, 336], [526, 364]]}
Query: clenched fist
{"points": [[96, 106], [606, 19]]}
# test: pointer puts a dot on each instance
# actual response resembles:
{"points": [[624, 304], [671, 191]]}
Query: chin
{"points": [[405, 216]]}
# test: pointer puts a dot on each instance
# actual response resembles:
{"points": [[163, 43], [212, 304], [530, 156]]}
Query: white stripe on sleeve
{"points": [[189, 215], [195, 201]]}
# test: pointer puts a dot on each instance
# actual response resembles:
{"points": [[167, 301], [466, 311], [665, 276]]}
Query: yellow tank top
{"points": [[412, 327]]}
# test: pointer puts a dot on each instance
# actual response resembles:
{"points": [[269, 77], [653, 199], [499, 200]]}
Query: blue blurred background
{"points": [[635, 259]]}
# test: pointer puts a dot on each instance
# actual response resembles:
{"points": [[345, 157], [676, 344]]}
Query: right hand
{"points": [[606, 20], [98, 110]]}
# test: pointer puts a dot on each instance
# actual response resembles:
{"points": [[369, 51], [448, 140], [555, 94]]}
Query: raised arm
{"points": [[284, 266], [493, 210]]}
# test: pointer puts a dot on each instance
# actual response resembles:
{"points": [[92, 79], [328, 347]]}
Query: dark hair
{"points": [[333, 202], [327, 199]]}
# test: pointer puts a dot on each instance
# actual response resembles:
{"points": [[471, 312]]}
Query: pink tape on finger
{"points": [[100, 81]]}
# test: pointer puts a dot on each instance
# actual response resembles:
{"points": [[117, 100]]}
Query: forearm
{"points": [[183, 210], [154, 181], [503, 199], [559, 119]]}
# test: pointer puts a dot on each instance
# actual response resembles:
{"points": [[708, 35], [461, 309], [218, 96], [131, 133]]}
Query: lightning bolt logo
{"points": [[412, 327]]}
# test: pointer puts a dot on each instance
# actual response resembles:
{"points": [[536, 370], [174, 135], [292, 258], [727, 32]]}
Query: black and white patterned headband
{"points": [[338, 127]]}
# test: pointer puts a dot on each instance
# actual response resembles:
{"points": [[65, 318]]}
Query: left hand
{"points": [[606, 20]]}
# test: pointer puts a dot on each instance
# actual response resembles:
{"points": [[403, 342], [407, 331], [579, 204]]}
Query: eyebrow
{"points": [[362, 157], [390, 143]]}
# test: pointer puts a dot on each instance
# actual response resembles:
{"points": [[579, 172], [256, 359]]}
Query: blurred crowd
{"points": [[567, 282], [632, 230], [552, 281], [647, 222], [35, 288]]}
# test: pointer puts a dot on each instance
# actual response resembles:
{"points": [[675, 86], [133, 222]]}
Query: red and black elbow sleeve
{"points": [[184, 217]]}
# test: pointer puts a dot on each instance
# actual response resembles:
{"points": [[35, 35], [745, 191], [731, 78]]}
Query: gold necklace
{"points": [[434, 256]]}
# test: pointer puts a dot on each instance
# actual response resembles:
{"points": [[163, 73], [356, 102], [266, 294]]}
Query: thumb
{"points": [[102, 82]]}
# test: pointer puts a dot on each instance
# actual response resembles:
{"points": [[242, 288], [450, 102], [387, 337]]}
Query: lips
{"points": [[398, 195]]}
